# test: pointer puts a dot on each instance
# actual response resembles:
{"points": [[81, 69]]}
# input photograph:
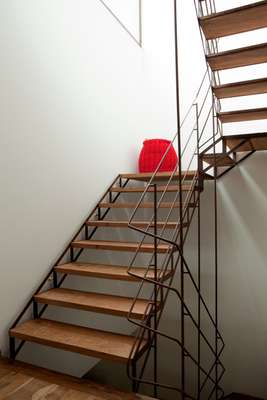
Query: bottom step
{"points": [[77, 339]]}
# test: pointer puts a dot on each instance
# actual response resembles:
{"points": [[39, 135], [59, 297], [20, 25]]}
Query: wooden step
{"points": [[254, 142], [237, 20], [239, 57], [243, 115], [246, 88], [170, 188], [219, 160], [119, 246], [137, 224], [77, 339], [95, 302], [160, 176], [117, 272], [163, 204]]}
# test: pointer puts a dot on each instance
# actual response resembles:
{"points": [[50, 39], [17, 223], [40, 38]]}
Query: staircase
{"points": [[217, 25], [175, 193], [92, 342]]}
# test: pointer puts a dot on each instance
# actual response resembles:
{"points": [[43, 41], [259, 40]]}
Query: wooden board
{"points": [[238, 58], [253, 142], [243, 115], [27, 382], [161, 176], [170, 188], [103, 271], [220, 159], [96, 302], [242, 19], [119, 246], [143, 205], [77, 339], [137, 224], [246, 88]]}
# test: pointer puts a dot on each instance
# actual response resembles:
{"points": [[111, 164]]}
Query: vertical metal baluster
{"points": [[215, 249], [199, 162], [12, 348], [155, 291], [180, 199], [134, 369], [55, 281]]}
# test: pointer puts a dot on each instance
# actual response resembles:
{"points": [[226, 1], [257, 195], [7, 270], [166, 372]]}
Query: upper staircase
{"points": [[235, 148]]}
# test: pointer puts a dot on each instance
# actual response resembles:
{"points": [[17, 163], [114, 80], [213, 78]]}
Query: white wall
{"points": [[77, 98], [128, 13], [243, 275]]}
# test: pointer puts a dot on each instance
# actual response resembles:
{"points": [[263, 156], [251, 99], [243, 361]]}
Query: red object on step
{"points": [[152, 153]]}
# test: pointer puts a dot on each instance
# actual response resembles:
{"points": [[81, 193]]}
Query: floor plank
{"points": [[20, 381]]}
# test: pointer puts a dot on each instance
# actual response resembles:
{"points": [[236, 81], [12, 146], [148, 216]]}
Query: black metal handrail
{"points": [[158, 283]]}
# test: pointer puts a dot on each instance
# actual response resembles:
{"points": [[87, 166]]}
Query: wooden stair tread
{"points": [[137, 224], [257, 142], [170, 188], [243, 115], [245, 88], [160, 176], [96, 302], [237, 20], [103, 271], [219, 159], [86, 341], [163, 204], [119, 246], [251, 55]]}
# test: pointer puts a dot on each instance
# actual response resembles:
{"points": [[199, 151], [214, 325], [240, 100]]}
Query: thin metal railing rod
{"points": [[132, 321], [202, 299], [174, 289], [129, 270], [178, 342], [173, 243], [212, 367], [215, 254], [171, 143], [162, 308]]}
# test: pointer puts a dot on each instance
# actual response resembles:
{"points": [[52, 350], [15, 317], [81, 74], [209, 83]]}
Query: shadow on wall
{"points": [[243, 275]]}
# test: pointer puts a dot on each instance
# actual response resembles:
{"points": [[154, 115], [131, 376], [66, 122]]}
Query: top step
{"points": [[237, 20], [160, 176]]}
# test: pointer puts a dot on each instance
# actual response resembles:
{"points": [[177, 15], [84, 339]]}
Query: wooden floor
{"points": [[19, 381]]}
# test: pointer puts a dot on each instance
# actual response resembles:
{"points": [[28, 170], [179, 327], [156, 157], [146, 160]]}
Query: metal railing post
{"points": [[180, 199], [155, 292], [215, 246]]}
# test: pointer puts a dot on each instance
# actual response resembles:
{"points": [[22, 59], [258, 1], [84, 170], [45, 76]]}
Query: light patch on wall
{"points": [[128, 14]]}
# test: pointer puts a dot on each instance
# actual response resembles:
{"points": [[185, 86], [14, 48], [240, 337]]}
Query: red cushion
{"points": [[151, 154]]}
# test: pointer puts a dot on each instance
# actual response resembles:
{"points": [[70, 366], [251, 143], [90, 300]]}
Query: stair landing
{"points": [[24, 381]]}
